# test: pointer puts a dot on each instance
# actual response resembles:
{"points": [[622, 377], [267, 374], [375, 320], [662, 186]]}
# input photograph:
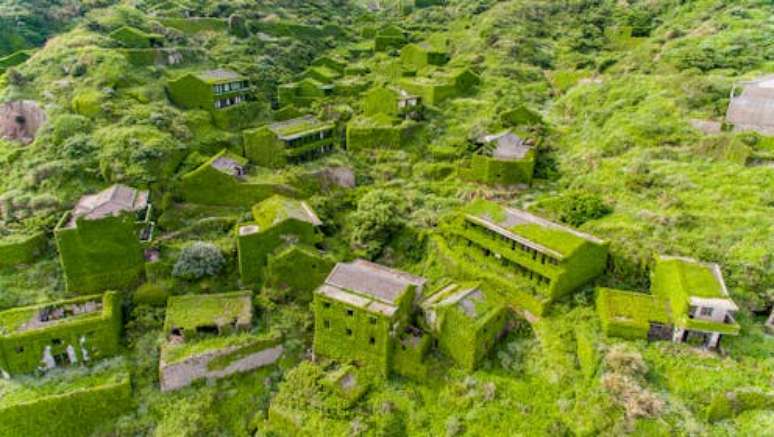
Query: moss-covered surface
{"points": [[608, 90]]}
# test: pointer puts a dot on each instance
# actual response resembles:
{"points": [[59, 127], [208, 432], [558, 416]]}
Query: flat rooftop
{"points": [[279, 208], [299, 127], [368, 285], [219, 75], [536, 232], [44, 316], [696, 279], [192, 310], [507, 146]]}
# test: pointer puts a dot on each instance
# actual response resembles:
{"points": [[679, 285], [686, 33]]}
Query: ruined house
{"points": [[277, 221], [426, 53], [532, 260], [688, 302], [290, 141], [225, 180], [59, 334], [465, 321], [303, 92], [361, 312], [211, 90], [101, 240], [133, 38], [208, 338], [437, 86], [394, 102], [502, 159], [751, 106]]}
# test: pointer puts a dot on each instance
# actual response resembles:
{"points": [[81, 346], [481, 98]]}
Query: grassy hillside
{"points": [[611, 91]]}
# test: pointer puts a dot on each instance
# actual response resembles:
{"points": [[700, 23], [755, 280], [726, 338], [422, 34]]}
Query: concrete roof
{"points": [[219, 75], [507, 145], [373, 280], [753, 109], [110, 202], [298, 127]]}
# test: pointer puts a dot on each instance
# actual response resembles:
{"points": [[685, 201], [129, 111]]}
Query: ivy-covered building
{"points": [[418, 56], [465, 321], [59, 334], [391, 101], [303, 92], [389, 37], [440, 85], [208, 336], [277, 221], [101, 240], [501, 159], [289, 141], [378, 131], [361, 312], [688, 302], [133, 38], [533, 261], [225, 180], [210, 90]]}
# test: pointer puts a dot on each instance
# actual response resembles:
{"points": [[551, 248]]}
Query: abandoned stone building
{"points": [[303, 92], [290, 141], [394, 102], [466, 322], [277, 221], [59, 334], [752, 109], [688, 302], [133, 38], [208, 337], [417, 56], [534, 261], [210, 90], [101, 240], [502, 159], [361, 311]]}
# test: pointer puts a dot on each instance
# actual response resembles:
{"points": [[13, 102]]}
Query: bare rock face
{"points": [[20, 120], [343, 177]]}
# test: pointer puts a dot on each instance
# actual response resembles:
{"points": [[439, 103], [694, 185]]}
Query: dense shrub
{"points": [[198, 260], [578, 207], [377, 218]]}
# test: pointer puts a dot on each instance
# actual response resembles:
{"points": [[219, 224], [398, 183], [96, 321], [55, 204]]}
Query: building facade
{"points": [[290, 141], [59, 334], [209, 90]]}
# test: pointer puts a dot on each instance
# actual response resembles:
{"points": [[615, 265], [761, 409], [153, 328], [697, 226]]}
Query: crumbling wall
{"points": [[216, 365], [20, 120]]}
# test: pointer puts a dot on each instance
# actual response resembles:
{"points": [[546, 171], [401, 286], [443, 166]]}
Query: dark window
{"points": [[327, 323], [56, 341], [372, 320], [326, 304], [207, 329], [19, 349], [372, 341], [706, 311], [351, 313], [349, 332]]}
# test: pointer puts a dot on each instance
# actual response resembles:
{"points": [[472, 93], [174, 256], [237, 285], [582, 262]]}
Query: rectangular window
{"points": [[372, 320], [56, 341], [706, 311], [19, 349], [326, 305], [349, 332], [327, 323], [351, 313], [372, 341]]}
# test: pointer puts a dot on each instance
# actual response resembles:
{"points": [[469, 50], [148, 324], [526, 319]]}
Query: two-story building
{"points": [[277, 221], [361, 312], [466, 322], [59, 334], [530, 259], [101, 240], [289, 141], [688, 302], [209, 90]]}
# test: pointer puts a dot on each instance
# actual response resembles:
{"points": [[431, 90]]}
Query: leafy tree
{"points": [[198, 260], [578, 207], [376, 220]]}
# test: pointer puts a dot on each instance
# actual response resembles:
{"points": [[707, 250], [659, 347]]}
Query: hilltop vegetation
{"points": [[607, 89]]}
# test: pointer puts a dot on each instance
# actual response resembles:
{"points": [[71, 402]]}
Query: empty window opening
{"points": [[19, 349], [177, 331], [56, 341], [372, 320], [349, 332], [327, 323], [326, 304], [207, 329], [372, 341], [706, 311], [351, 313]]}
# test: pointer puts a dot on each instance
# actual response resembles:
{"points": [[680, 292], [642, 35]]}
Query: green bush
{"points": [[377, 218], [151, 293], [198, 260], [579, 207]]}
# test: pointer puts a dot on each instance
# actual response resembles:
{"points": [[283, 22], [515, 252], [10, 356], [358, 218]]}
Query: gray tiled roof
{"points": [[372, 280], [754, 108], [112, 201]]}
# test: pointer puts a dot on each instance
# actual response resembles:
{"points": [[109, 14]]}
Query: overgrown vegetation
{"points": [[606, 89]]}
